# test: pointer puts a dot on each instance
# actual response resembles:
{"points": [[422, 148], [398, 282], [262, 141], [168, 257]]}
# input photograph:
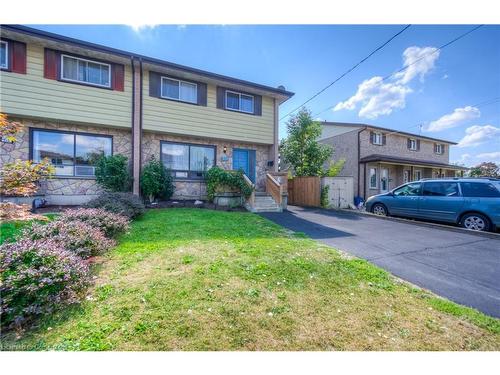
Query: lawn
{"points": [[191, 279]]}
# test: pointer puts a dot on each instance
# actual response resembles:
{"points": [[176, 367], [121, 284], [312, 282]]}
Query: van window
{"points": [[479, 189], [441, 189], [408, 190]]}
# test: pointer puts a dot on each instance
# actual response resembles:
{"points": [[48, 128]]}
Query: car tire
{"points": [[475, 221], [379, 209]]}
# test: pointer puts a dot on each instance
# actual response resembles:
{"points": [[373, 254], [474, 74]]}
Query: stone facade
{"points": [[64, 190], [197, 189]]}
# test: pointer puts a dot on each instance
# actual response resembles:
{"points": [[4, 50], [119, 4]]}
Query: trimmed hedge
{"points": [[109, 223], [126, 204]]}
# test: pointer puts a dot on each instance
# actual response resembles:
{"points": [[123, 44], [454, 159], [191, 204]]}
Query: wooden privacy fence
{"points": [[304, 191]]}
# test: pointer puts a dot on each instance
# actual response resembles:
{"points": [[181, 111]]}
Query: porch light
{"points": [[224, 150]]}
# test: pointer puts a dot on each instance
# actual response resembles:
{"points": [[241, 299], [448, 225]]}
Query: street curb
{"points": [[495, 236]]}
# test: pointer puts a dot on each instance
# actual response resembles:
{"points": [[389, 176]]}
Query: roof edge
{"points": [[115, 51]]}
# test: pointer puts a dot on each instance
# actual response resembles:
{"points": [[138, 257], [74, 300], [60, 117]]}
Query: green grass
{"points": [[10, 229], [190, 279]]}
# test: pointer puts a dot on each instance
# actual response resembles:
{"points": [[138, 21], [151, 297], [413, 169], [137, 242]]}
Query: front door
{"points": [[384, 180], [244, 159]]}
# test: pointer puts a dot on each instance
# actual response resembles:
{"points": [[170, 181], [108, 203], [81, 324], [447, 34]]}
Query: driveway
{"points": [[462, 267]]}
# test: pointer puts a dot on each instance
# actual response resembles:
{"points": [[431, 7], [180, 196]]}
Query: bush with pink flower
{"points": [[110, 223], [38, 277], [76, 236]]}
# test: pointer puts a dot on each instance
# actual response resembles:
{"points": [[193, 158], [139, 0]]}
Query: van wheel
{"points": [[379, 209], [475, 221]]}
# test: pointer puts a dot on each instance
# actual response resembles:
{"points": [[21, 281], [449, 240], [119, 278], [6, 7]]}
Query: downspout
{"points": [[133, 116], [140, 115], [359, 164]]}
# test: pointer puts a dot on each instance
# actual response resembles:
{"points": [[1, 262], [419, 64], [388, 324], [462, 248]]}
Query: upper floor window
{"points": [[179, 90], [239, 102], [72, 154], [412, 144], [377, 138], [4, 55], [86, 71], [439, 148]]}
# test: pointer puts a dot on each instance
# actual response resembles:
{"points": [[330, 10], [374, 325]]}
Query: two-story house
{"points": [[79, 100], [380, 159]]}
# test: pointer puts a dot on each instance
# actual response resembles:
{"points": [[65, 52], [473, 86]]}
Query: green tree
{"points": [[485, 169], [156, 181], [301, 149], [111, 172]]}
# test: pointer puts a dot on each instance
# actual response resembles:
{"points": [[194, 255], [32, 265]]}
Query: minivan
{"points": [[473, 203]]}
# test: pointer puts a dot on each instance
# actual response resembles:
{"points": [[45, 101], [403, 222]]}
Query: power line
{"points": [[414, 62], [348, 71]]}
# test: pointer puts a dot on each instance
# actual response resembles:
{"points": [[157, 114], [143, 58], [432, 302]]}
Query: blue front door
{"points": [[245, 160]]}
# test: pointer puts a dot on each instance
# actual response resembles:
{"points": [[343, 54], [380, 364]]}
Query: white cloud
{"points": [[138, 27], [472, 160], [451, 120], [445, 76], [477, 134], [376, 97], [490, 156]]}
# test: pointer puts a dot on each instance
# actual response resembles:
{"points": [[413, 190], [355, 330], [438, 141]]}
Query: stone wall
{"points": [[196, 189], [64, 190]]}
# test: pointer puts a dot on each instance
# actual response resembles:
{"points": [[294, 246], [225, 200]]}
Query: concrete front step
{"points": [[264, 203]]}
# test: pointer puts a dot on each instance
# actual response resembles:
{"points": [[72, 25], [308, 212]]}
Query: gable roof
{"points": [[357, 125], [118, 52]]}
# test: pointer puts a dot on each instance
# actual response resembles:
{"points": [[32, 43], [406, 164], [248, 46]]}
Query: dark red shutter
{"points": [[118, 77], [18, 61], [154, 84], [257, 105], [202, 93], [384, 139], [51, 64], [221, 93]]}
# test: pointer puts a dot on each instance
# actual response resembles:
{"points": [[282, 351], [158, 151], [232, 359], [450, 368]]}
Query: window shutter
{"points": [[418, 144], [18, 57], [435, 148], [202, 94], [154, 84], [384, 139], [443, 148], [372, 136], [118, 77], [51, 64], [257, 105], [408, 143], [221, 92]]}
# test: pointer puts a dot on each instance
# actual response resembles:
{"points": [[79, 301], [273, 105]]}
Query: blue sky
{"points": [[437, 96]]}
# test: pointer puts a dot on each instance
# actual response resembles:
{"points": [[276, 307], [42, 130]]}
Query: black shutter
{"points": [[202, 94], [408, 143], [384, 139], [221, 92], [257, 105], [372, 136], [154, 84], [418, 144], [435, 148], [442, 148]]}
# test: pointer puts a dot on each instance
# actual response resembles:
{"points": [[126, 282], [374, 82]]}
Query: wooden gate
{"points": [[304, 191]]}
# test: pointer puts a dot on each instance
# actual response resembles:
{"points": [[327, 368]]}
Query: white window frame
{"points": [[413, 144], [179, 84], [239, 101], [6, 66], [406, 176], [370, 178], [377, 139], [84, 82], [419, 171], [439, 149]]}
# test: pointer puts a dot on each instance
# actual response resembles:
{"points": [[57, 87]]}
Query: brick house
{"points": [[78, 100], [380, 159]]}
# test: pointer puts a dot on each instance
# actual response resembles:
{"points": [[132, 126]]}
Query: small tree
{"points": [[9, 129], [22, 177], [301, 149], [111, 172], [485, 169], [156, 181]]}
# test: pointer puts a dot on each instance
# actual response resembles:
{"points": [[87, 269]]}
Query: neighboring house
{"points": [[380, 159], [79, 100]]}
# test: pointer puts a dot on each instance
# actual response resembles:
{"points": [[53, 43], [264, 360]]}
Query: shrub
{"points": [[109, 223], [126, 204], [218, 178], [111, 172], [324, 196], [75, 236], [156, 181], [38, 277]]}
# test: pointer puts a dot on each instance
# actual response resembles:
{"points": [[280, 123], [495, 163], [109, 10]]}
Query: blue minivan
{"points": [[473, 203]]}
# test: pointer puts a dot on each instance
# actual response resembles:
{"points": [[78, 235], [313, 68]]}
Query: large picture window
{"points": [[4, 55], [179, 90], [72, 154], [85, 71], [187, 161]]}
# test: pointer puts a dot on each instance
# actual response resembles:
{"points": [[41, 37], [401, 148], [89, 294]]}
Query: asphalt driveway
{"points": [[462, 267]]}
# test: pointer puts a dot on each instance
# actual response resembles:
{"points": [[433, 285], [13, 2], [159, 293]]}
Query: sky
{"points": [[447, 94]]}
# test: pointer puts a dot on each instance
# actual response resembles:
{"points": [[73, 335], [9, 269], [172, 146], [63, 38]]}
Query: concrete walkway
{"points": [[462, 267]]}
